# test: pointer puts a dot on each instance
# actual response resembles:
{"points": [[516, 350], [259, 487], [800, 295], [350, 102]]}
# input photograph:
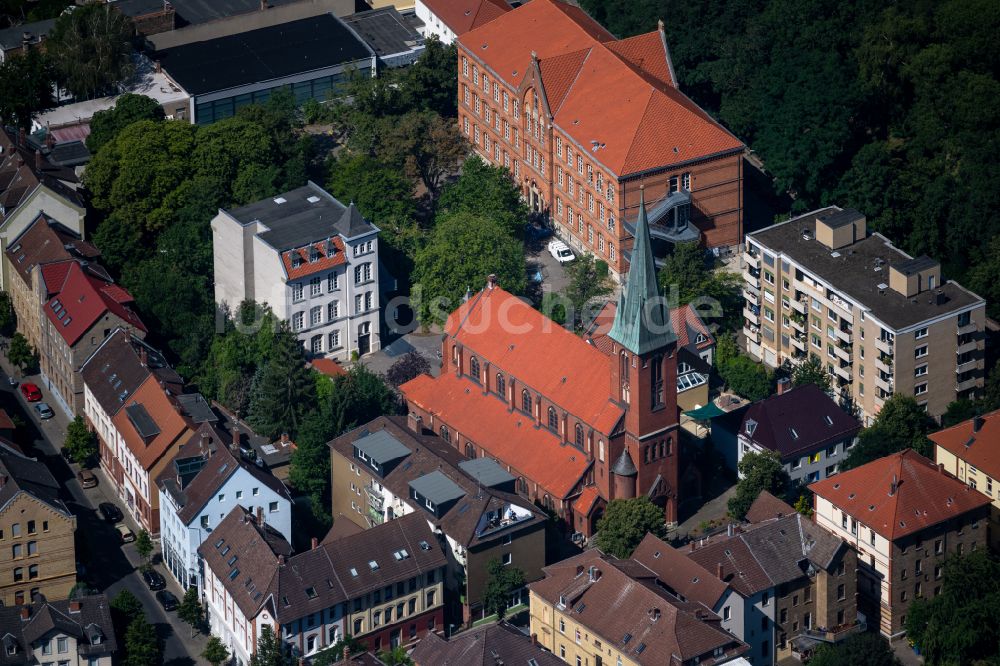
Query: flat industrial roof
{"points": [[385, 30], [263, 55], [852, 271]]}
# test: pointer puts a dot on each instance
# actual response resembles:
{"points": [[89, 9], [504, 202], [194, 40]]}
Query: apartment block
{"points": [[880, 321]]}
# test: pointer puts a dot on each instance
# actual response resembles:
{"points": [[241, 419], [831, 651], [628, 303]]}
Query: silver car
{"points": [[44, 411]]}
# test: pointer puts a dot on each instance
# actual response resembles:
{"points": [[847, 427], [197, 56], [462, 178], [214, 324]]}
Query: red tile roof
{"points": [[980, 449], [619, 94], [82, 298], [43, 241], [518, 340], [682, 574], [925, 495], [511, 437], [324, 263], [328, 367], [585, 502], [684, 320], [462, 16], [172, 426], [767, 507]]}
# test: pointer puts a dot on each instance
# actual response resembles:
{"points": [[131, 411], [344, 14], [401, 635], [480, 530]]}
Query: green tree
{"points": [[684, 270], [803, 505], [867, 648], [129, 108], [413, 364], [626, 522], [811, 371], [501, 582], [747, 378], [758, 471], [554, 306], [21, 353], [900, 424], [588, 280], [25, 89], [958, 411], [124, 608], [142, 647], [958, 625], [8, 318], [215, 651], [80, 442], [190, 610], [283, 389], [91, 49], [396, 657], [463, 250], [427, 147], [144, 547], [486, 191], [270, 650], [431, 83], [335, 653]]}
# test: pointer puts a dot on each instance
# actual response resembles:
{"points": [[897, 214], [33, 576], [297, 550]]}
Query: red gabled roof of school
{"points": [[980, 449], [619, 94], [511, 437], [924, 496], [520, 341], [83, 298], [464, 15]]}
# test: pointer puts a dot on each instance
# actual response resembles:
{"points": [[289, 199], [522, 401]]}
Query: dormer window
{"points": [[751, 427], [296, 259]]}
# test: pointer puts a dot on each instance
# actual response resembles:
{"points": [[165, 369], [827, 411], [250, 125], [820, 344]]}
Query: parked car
{"points": [[87, 478], [31, 392], [560, 251], [12, 380], [533, 232], [44, 411], [154, 581], [111, 513], [167, 600], [126, 534]]}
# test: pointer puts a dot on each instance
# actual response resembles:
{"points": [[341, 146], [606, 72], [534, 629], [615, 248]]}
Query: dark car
{"points": [[31, 392], [167, 600], [111, 513], [154, 581]]}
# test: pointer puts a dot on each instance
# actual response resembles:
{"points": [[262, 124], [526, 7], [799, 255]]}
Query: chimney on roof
{"points": [[940, 468], [534, 639], [143, 356], [281, 559], [75, 606], [314, 543], [415, 422], [594, 574], [3, 480], [21, 141], [654, 614], [784, 384], [977, 423], [260, 516], [719, 572], [157, 67], [236, 439], [894, 486], [491, 281], [691, 546], [38, 160], [25, 612]]}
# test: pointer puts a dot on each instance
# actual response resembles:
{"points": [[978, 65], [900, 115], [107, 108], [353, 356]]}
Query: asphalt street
{"points": [[105, 564]]}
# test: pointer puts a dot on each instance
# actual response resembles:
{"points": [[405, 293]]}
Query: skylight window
{"points": [[829, 421], [232, 560], [280, 200], [233, 574], [313, 199], [795, 435], [424, 545], [373, 565], [401, 555], [311, 592], [354, 572], [218, 544]]}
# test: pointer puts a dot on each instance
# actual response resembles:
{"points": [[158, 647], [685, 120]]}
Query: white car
{"points": [[561, 252]]}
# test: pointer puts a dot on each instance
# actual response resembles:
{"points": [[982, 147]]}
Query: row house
{"points": [[45, 240], [487, 645], [63, 632], [313, 260], [385, 470], [82, 307], [903, 516], [970, 451], [583, 121], [208, 476], [37, 551], [596, 609], [30, 184], [880, 321], [577, 426], [383, 586]]}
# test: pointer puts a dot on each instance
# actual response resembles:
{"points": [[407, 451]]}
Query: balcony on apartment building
{"points": [[751, 332], [967, 381], [751, 293], [884, 346], [970, 364], [798, 322], [884, 382], [844, 351], [751, 276], [806, 642], [966, 344], [845, 334], [843, 371], [751, 259], [798, 341], [967, 329], [752, 313], [884, 363], [800, 304]]}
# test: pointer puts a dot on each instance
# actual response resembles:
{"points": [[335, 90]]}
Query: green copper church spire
{"points": [[642, 321]]}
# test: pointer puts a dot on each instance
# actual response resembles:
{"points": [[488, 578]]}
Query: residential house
{"points": [[904, 516], [797, 584], [309, 257], [766, 507], [536, 88], [112, 374], [576, 425], [314, 56], [37, 552], [82, 308], [43, 241], [74, 632], [486, 645], [594, 608], [208, 477], [970, 451], [384, 586], [29, 185], [384, 470], [449, 19], [881, 322], [19, 39], [148, 431], [804, 426]]}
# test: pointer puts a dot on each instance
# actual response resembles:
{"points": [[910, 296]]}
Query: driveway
{"points": [[109, 566], [427, 345]]}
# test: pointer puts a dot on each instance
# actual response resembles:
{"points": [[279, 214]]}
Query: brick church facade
{"points": [[577, 425], [583, 120]]}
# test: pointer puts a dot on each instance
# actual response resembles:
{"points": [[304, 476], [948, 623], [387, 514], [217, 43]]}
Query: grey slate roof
{"points": [[642, 320], [297, 221], [798, 421], [437, 487], [28, 475], [487, 645], [92, 618], [381, 447], [486, 471], [197, 408], [11, 38], [624, 466]]}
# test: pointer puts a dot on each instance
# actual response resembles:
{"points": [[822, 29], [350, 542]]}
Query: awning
{"points": [[709, 411]]}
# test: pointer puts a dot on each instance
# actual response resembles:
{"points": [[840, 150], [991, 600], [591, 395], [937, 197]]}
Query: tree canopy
{"points": [[589, 279], [625, 524], [270, 650], [413, 364], [811, 371], [866, 648], [129, 108], [501, 582], [758, 472], [80, 442], [741, 374], [900, 424], [25, 88], [90, 49]]}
